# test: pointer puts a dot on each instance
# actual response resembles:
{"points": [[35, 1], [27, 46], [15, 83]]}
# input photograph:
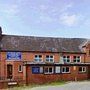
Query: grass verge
{"points": [[36, 85]]}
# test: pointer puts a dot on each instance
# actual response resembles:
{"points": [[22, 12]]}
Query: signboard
{"points": [[13, 55], [57, 69], [35, 70]]}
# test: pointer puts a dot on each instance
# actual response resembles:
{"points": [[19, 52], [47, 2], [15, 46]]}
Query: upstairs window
{"points": [[76, 59], [38, 58], [82, 69], [49, 58], [66, 59]]}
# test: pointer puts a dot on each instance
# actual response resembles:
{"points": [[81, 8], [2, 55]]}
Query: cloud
{"points": [[69, 20], [43, 7], [53, 12], [9, 10], [45, 19], [87, 22], [66, 7]]}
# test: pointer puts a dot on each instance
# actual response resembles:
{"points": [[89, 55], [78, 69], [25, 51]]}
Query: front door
{"points": [[9, 71], [88, 72]]}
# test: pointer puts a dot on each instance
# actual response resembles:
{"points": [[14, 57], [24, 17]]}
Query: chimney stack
{"points": [[0, 30]]}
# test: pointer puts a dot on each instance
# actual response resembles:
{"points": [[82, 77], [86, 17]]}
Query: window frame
{"points": [[38, 59], [77, 59], [83, 70], [66, 58], [57, 69], [20, 68], [39, 67], [49, 59], [48, 72], [65, 69]]}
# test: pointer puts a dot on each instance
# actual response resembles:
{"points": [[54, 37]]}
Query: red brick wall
{"points": [[86, 49], [2, 65], [16, 73], [29, 56], [44, 78], [3, 85], [72, 55]]}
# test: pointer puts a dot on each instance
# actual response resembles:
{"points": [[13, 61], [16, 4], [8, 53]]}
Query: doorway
{"points": [[9, 71]]}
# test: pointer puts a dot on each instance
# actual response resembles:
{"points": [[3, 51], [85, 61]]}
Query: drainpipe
{"points": [[0, 51], [61, 62], [24, 73]]}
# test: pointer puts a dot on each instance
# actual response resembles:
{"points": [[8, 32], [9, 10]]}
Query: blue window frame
{"points": [[35, 70]]}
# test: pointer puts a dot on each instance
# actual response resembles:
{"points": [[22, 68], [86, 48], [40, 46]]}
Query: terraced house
{"points": [[28, 59]]}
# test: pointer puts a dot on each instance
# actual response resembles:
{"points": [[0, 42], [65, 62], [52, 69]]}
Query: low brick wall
{"points": [[3, 85]]}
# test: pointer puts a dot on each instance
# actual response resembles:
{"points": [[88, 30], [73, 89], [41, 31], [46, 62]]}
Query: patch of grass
{"points": [[56, 83], [36, 85], [20, 88]]}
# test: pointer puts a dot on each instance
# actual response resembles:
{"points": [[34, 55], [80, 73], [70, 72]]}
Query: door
{"points": [[9, 71], [88, 72]]}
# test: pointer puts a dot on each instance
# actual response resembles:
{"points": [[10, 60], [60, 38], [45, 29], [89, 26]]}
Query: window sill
{"points": [[65, 72], [20, 71], [48, 62], [48, 73], [82, 72]]}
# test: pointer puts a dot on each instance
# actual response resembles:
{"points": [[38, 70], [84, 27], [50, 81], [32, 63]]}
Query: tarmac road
{"points": [[70, 86]]}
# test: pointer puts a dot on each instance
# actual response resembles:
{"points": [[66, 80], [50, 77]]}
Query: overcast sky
{"points": [[52, 18]]}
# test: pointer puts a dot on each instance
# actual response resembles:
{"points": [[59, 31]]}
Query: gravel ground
{"points": [[70, 86]]}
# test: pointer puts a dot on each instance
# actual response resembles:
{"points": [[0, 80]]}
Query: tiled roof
{"points": [[30, 43]]}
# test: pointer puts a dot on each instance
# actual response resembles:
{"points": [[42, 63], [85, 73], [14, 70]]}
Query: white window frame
{"points": [[20, 68], [41, 70], [77, 59], [57, 69], [49, 59], [66, 58], [83, 70], [65, 70], [38, 59], [48, 72]]}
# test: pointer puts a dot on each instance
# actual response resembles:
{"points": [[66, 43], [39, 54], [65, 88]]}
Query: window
{"points": [[65, 70], [48, 70], [57, 69], [82, 69], [20, 68], [76, 59], [89, 52], [37, 70], [49, 58], [66, 59], [38, 58]]}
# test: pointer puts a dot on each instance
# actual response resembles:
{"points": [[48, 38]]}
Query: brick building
{"points": [[43, 59]]}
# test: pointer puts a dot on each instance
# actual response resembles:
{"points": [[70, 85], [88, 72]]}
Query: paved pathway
{"points": [[70, 86]]}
